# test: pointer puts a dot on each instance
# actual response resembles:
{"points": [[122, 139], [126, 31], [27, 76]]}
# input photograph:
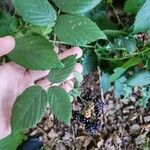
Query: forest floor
{"points": [[124, 125]]}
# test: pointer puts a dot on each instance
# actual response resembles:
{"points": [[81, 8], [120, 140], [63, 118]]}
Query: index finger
{"points": [[6, 45], [73, 51]]}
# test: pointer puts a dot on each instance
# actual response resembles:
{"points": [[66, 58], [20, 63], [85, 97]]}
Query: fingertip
{"points": [[72, 51], [44, 83], [6, 45], [9, 42], [78, 68], [78, 51]]}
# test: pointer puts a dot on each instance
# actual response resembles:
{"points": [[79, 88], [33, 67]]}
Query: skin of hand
{"points": [[14, 79]]}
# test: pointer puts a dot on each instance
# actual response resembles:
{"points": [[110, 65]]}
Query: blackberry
{"points": [[76, 116], [79, 117], [85, 120], [100, 104], [97, 112], [92, 127], [90, 112], [95, 100]]}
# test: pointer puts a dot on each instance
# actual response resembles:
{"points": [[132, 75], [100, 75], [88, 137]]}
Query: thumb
{"points": [[6, 45]]}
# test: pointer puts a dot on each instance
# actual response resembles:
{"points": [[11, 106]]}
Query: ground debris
{"points": [[124, 125]]}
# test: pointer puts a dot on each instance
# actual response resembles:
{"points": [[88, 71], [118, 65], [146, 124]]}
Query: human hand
{"points": [[14, 79]]}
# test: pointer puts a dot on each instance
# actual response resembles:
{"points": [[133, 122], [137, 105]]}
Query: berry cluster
{"points": [[92, 123]]}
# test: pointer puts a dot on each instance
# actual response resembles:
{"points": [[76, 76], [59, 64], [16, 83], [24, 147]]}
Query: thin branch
{"points": [[116, 15], [102, 93]]}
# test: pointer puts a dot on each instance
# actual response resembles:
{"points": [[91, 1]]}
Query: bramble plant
{"points": [[38, 25]]}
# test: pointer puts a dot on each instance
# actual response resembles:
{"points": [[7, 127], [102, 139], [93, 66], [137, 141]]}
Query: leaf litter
{"points": [[124, 124]]}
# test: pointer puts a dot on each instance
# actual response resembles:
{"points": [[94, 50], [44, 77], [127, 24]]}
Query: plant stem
{"points": [[128, 56], [102, 93], [119, 21], [59, 42]]}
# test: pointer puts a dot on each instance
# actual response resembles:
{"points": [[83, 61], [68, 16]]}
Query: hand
{"points": [[14, 79]]}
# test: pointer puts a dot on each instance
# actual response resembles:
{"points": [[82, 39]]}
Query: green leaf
{"points": [[104, 82], [118, 72], [130, 44], [147, 65], [142, 20], [144, 101], [127, 43], [8, 24], [145, 146], [76, 6], [145, 96], [140, 79], [60, 75], [114, 33], [99, 15], [77, 30], [60, 104], [119, 86], [89, 62], [78, 76], [133, 6], [42, 30], [11, 142], [28, 109], [37, 12], [75, 92], [34, 52]]}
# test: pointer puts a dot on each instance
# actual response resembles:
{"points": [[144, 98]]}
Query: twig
{"points": [[119, 21], [102, 93], [73, 133], [41, 130], [54, 43], [79, 96]]}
